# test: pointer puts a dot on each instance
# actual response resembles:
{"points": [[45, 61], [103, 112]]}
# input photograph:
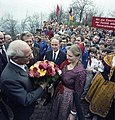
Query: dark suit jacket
{"points": [[3, 63], [19, 91], [60, 58], [37, 56]]}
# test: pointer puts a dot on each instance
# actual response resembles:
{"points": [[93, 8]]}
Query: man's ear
{"points": [[15, 58]]}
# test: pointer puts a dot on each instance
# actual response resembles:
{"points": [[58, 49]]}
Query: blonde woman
{"points": [[66, 102]]}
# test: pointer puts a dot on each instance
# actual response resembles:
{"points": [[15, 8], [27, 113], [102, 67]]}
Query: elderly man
{"points": [[15, 84]]}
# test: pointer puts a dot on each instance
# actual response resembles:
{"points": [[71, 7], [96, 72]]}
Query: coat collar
{"points": [[17, 69]]}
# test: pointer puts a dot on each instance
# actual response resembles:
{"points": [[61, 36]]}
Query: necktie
{"points": [[26, 68], [54, 56]]}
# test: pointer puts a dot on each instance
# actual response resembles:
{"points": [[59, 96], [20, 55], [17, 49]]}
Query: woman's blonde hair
{"points": [[75, 49]]}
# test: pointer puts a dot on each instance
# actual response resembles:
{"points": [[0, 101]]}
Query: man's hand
{"points": [[51, 89], [43, 85]]}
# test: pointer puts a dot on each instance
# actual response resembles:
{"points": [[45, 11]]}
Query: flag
{"points": [[57, 10], [70, 15], [70, 12]]}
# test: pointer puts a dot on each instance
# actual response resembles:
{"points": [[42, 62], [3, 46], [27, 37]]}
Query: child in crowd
{"points": [[93, 65]]}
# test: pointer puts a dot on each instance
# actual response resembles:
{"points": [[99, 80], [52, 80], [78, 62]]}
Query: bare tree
{"points": [[93, 12], [61, 15], [80, 7], [9, 25], [112, 13], [23, 26], [30, 23]]}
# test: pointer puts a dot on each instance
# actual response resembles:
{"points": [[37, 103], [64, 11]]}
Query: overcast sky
{"points": [[20, 8]]}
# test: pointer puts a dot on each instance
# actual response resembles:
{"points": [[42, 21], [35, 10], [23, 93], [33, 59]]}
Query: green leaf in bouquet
{"points": [[53, 79], [48, 79]]}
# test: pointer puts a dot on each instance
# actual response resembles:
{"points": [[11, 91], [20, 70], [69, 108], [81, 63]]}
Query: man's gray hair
{"points": [[54, 39], [16, 48]]}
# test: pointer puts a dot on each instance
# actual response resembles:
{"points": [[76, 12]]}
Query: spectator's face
{"points": [[62, 44], [72, 40], [55, 45], [29, 41], [109, 41], [24, 37], [92, 54], [87, 47], [95, 39], [78, 40], [8, 39], [101, 46], [1, 39], [104, 54]]}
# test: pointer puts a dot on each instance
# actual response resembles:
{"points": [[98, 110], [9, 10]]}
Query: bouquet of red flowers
{"points": [[44, 71]]}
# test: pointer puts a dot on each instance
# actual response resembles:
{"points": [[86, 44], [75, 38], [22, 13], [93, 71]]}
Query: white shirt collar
{"points": [[1, 51], [3, 47], [21, 66], [57, 52]]}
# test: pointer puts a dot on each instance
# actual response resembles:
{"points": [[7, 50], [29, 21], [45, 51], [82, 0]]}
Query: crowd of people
{"points": [[81, 52]]}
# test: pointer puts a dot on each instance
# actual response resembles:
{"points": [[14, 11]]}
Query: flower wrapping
{"points": [[44, 71]]}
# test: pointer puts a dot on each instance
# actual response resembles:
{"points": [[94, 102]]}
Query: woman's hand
{"points": [[59, 72]]}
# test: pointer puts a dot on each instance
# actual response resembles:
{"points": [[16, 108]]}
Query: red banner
{"points": [[104, 23]]}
